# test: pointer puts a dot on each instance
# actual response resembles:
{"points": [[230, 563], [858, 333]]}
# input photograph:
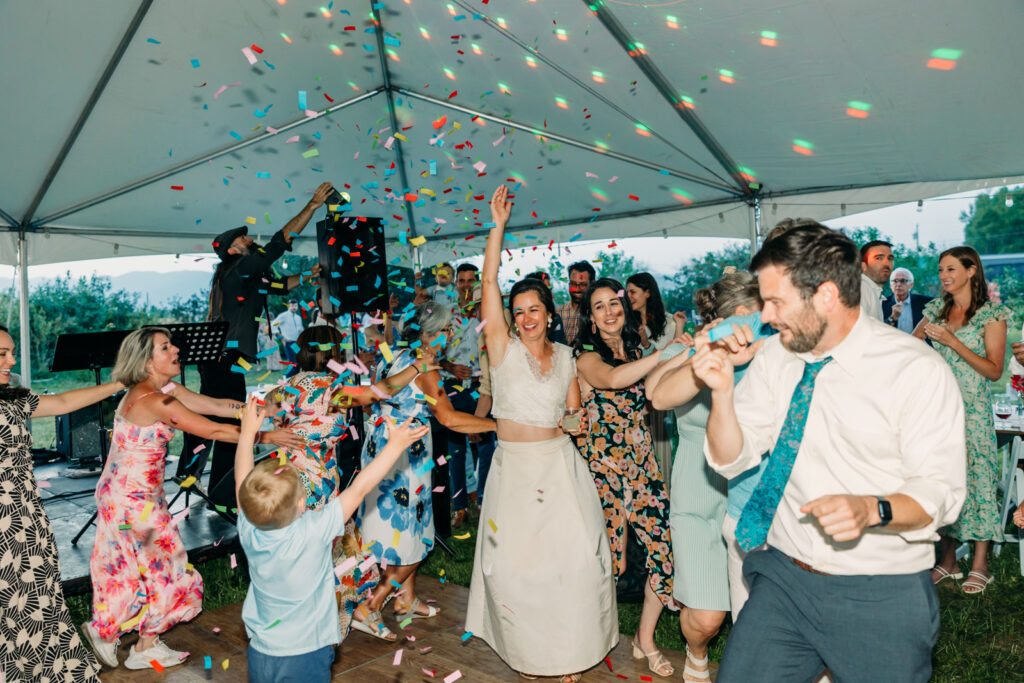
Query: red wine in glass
{"points": [[1001, 415]]}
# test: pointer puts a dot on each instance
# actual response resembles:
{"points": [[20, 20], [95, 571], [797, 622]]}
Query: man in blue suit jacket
{"points": [[903, 309]]}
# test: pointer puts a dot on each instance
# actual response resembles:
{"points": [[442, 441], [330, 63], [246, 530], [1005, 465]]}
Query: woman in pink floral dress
{"points": [[140, 575]]}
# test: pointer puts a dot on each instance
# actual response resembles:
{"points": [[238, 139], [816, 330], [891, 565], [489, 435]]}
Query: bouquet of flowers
{"points": [[1017, 382]]}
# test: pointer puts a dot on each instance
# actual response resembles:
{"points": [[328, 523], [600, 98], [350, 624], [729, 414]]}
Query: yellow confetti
{"points": [[134, 621], [263, 376], [145, 511], [386, 352], [250, 220], [244, 364], [277, 285], [418, 240], [101, 606], [394, 541], [431, 400], [224, 665], [458, 126], [188, 482], [282, 458], [462, 537], [189, 566], [401, 137], [494, 527], [429, 193]]}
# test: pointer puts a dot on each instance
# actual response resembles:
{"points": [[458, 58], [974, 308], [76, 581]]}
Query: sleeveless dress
{"points": [[318, 471], [397, 518], [37, 639], [141, 578], [979, 517], [620, 454], [543, 592]]}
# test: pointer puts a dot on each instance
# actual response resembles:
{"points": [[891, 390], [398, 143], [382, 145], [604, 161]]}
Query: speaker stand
{"points": [[103, 454]]}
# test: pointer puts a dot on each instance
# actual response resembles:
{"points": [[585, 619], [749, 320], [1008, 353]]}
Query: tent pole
{"points": [[26, 350], [755, 222]]}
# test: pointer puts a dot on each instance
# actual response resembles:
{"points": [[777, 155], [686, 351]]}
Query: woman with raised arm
{"points": [[40, 642], [141, 578], [619, 450], [543, 592]]}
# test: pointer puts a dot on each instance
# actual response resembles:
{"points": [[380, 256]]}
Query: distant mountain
{"points": [[160, 287]]}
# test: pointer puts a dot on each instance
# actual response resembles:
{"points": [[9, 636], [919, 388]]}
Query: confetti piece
{"points": [[195, 63], [294, 138], [398, 658], [494, 527], [467, 635], [385, 351], [167, 388], [224, 664], [234, 561], [156, 666], [462, 537], [219, 91], [43, 484], [394, 540], [405, 622], [148, 508], [249, 55], [188, 481], [276, 622], [418, 240], [153, 40], [309, 154], [428, 672], [302, 100], [453, 676], [207, 662], [124, 527]]}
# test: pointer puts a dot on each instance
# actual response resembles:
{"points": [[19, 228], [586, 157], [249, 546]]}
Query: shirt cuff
{"points": [[939, 501], [743, 462]]}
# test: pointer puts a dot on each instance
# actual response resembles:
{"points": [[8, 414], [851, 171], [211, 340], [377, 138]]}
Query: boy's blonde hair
{"points": [[270, 500]]}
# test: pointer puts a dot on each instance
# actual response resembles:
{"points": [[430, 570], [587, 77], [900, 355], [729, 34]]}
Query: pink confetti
{"points": [[356, 156], [428, 672], [398, 658], [453, 676], [249, 55], [167, 388], [425, 650], [352, 430], [592, 175], [272, 131], [367, 563], [216, 629], [479, 166], [294, 138], [234, 562], [198, 448], [389, 143], [438, 489], [335, 367], [498, 141], [179, 518], [279, 470], [480, 326], [345, 566], [613, 179], [380, 394], [219, 91], [43, 484]]}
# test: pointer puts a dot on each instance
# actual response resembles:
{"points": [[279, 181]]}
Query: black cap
{"points": [[222, 242]]}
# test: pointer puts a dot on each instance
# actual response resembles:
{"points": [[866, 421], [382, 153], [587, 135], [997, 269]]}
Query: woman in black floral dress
{"points": [[37, 639]]}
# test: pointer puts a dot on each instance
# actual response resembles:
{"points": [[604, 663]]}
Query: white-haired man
{"points": [[903, 309]]}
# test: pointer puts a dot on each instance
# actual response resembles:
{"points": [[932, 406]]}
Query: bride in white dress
{"points": [[543, 594]]}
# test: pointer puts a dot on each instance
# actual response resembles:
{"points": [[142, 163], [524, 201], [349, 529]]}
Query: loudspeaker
{"points": [[353, 265], [78, 433]]}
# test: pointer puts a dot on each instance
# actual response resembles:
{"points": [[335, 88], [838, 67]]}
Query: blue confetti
{"points": [[153, 40], [259, 113], [388, 40], [234, 135], [302, 100], [269, 65], [262, 174], [195, 63], [231, 344]]}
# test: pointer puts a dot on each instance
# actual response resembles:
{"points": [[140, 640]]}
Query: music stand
{"points": [[89, 351], [197, 343]]}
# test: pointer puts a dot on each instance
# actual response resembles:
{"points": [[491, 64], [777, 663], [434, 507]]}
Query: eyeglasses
{"points": [[901, 281]]}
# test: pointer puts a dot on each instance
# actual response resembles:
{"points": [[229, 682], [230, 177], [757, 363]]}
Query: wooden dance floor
{"points": [[436, 653]]}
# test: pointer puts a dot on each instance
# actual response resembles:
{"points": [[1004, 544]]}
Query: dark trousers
{"points": [[863, 628], [440, 500], [216, 381], [464, 402], [310, 667], [291, 357]]}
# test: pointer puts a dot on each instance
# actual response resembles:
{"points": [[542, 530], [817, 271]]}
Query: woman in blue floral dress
{"points": [[397, 520], [969, 331]]}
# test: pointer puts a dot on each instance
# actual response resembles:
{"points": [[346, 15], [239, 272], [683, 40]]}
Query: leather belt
{"points": [[808, 568]]}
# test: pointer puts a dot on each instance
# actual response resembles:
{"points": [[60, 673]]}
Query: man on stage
{"points": [[865, 429], [238, 295]]}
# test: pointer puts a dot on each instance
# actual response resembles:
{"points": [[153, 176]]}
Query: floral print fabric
{"points": [[38, 642], [979, 517], [397, 519], [308, 414], [620, 454], [139, 567]]}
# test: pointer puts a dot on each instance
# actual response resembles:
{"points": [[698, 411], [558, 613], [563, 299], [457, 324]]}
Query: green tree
{"points": [[992, 227], [190, 310], [922, 261], [702, 271]]}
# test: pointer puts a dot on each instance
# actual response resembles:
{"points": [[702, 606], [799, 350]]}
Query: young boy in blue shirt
{"points": [[290, 612]]}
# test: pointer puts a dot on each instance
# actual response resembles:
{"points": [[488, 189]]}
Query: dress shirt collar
{"points": [[848, 352]]}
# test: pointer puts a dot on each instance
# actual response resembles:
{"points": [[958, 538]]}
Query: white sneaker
{"points": [[105, 651], [163, 655]]}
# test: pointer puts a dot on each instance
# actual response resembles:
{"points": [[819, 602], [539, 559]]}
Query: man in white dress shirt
{"points": [[287, 327], [876, 262], [865, 429]]}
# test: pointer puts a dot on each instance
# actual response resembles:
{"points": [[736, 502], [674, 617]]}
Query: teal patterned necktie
{"points": [[752, 529]]}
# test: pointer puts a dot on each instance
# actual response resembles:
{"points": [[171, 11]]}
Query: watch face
{"points": [[885, 511]]}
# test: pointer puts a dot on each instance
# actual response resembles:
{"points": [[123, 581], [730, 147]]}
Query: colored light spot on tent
{"points": [[334, 48], [562, 104], [601, 145], [686, 101], [747, 173], [476, 49], [504, 89], [451, 9], [941, 64], [424, 33], [597, 76], [599, 194], [803, 147], [501, 23], [561, 34], [449, 74], [769, 38], [858, 109], [394, 56], [671, 22], [641, 129], [281, 2], [530, 61], [681, 195], [353, 85], [726, 76], [286, 38], [325, 12]]}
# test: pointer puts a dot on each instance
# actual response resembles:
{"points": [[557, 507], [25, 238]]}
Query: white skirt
{"points": [[543, 594]]}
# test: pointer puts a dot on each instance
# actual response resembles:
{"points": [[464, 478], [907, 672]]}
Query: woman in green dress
{"points": [[969, 331]]}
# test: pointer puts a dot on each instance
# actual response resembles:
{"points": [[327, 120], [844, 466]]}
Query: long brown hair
{"points": [[216, 312], [979, 287]]}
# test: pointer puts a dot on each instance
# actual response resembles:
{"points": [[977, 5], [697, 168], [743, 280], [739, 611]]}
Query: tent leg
{"points": [[26, 350], [755, 222]]}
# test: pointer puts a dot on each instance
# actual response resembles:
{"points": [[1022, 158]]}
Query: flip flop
{"points": [[411, 612], [945, 574], [976, 583]]}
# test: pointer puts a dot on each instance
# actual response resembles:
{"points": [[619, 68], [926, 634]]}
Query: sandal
{"points": [[410, 611], [691, 674], [656, 661], [976, 583], [944, 574], [375, 626], [570, 678]]}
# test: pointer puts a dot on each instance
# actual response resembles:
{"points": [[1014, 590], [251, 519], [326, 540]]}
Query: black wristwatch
{"points": [[884, 511]]}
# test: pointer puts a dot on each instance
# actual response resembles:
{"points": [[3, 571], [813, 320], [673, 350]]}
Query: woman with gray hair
{"points": [[141, 578], [396, 521]]}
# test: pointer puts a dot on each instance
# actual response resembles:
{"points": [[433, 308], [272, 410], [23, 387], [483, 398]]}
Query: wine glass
{"points": [[1003, 410]]}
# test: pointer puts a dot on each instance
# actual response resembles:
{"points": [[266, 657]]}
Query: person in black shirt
{"points": [[238, 294]]}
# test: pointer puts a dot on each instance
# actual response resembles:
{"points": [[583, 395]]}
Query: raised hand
{"points": [[320, 195], [501, 208]]}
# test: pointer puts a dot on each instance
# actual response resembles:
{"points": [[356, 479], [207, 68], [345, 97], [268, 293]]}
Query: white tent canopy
{"points": [[154, 125]]}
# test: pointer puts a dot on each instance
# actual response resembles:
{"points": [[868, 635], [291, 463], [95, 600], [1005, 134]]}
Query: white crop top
{"points": [[523, 394]]}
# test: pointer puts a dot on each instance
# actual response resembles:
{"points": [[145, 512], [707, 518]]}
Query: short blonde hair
{"points": [[136, 350], [269, 500]]}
